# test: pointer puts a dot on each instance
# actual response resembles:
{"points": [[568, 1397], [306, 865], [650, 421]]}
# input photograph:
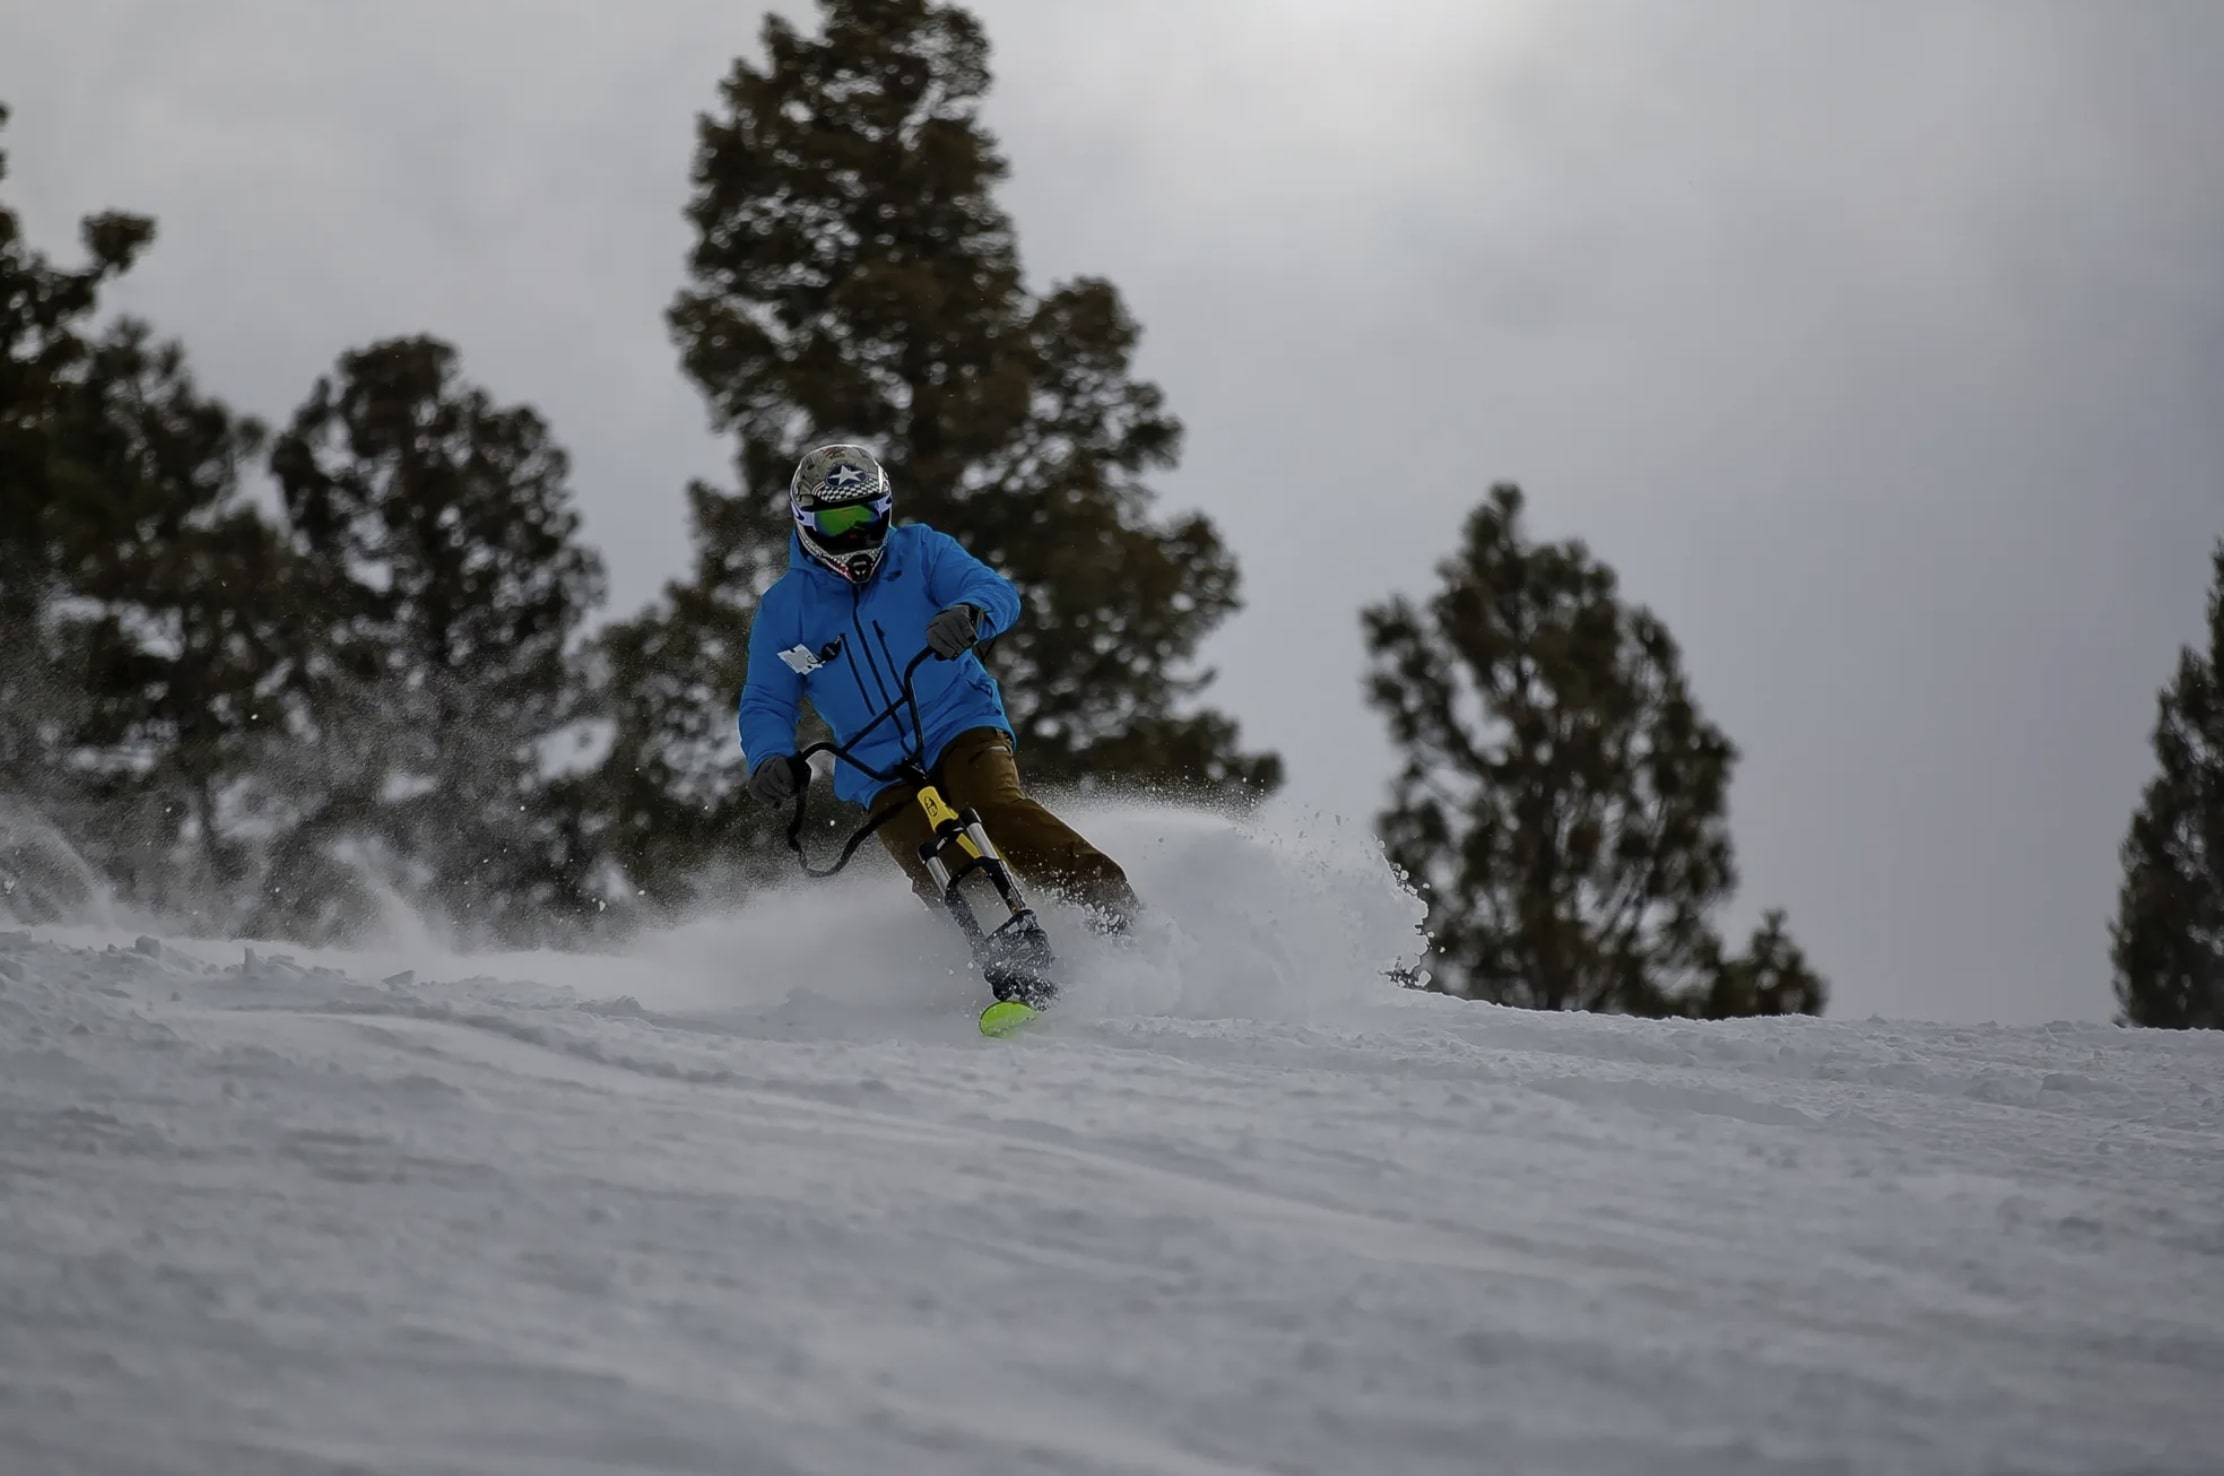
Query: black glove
{"points": [[952, 633], [778, 779]]}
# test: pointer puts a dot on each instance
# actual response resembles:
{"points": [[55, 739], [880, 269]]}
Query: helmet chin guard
{"points": [[841, 503]]}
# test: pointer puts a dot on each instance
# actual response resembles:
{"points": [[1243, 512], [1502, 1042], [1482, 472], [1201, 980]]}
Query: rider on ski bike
{"points": [[859, 598]]}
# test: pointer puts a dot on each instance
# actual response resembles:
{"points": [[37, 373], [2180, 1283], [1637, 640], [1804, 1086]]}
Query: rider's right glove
{"points": [[952, 632], [777, 780]]}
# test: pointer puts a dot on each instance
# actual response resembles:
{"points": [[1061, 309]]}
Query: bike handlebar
{"points": [[909, 698], [917, 761]]}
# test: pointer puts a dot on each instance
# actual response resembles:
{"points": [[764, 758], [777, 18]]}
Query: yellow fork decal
{"points": [[930, 800]]}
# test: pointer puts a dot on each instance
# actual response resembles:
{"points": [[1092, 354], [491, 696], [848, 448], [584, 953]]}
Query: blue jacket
{"points": [[818, 636]]}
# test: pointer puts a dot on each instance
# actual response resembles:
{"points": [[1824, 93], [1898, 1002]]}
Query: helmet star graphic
{"points": [[844, 476]]}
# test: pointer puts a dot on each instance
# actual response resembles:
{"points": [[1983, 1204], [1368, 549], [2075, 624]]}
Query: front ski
{"points": [[1005, 1016]]}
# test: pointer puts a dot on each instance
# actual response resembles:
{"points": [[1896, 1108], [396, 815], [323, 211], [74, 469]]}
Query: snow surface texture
{"points": [[751, 1200]]}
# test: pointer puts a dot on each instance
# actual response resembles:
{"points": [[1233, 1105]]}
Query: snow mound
{"points": [[1244, 1206]]}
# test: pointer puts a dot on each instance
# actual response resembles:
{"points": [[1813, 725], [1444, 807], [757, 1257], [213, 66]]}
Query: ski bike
{"points": [[1015, 957]]}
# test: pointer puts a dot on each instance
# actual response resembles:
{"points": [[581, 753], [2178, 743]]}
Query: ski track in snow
{"points": [[1241, 1206]]}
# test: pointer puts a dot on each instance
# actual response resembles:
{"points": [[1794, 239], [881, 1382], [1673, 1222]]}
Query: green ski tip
{"points": [[1005, 1016]]}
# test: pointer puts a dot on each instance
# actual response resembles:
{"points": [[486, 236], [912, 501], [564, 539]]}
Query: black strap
{"points": [[857, 837]]}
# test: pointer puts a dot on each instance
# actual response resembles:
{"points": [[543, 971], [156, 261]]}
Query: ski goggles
{"points": [[849, 517]]}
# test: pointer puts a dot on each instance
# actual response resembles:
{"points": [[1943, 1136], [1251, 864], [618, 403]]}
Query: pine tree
{"points": [[443, 585], [1561, 796], [1772, 977], [47, 803], [177, 619], [2167, 940], [45, 312], [853, 278]]}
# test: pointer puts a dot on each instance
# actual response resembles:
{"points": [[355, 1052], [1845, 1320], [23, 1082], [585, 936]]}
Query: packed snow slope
{"points": [[759, 1199]]}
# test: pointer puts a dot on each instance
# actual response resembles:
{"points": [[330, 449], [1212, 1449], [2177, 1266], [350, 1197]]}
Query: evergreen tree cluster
{"points": [[383, 682], [273, 679], [266, 724]]}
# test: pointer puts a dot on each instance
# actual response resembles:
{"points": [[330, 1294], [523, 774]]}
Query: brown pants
{"points": [[976, 772]]}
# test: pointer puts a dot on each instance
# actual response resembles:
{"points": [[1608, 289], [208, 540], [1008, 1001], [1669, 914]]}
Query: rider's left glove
{"points": [[953, 632]]}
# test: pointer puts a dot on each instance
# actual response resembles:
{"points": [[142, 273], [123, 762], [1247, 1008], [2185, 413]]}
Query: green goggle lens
{"points": [[835, 521]]}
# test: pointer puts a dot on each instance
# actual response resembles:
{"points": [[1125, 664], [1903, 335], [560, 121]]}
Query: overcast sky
{"points": [[1879, 347]]}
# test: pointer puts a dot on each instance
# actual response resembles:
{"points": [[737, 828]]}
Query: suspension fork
{"points": [[961, 834], [1015, 955]]}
